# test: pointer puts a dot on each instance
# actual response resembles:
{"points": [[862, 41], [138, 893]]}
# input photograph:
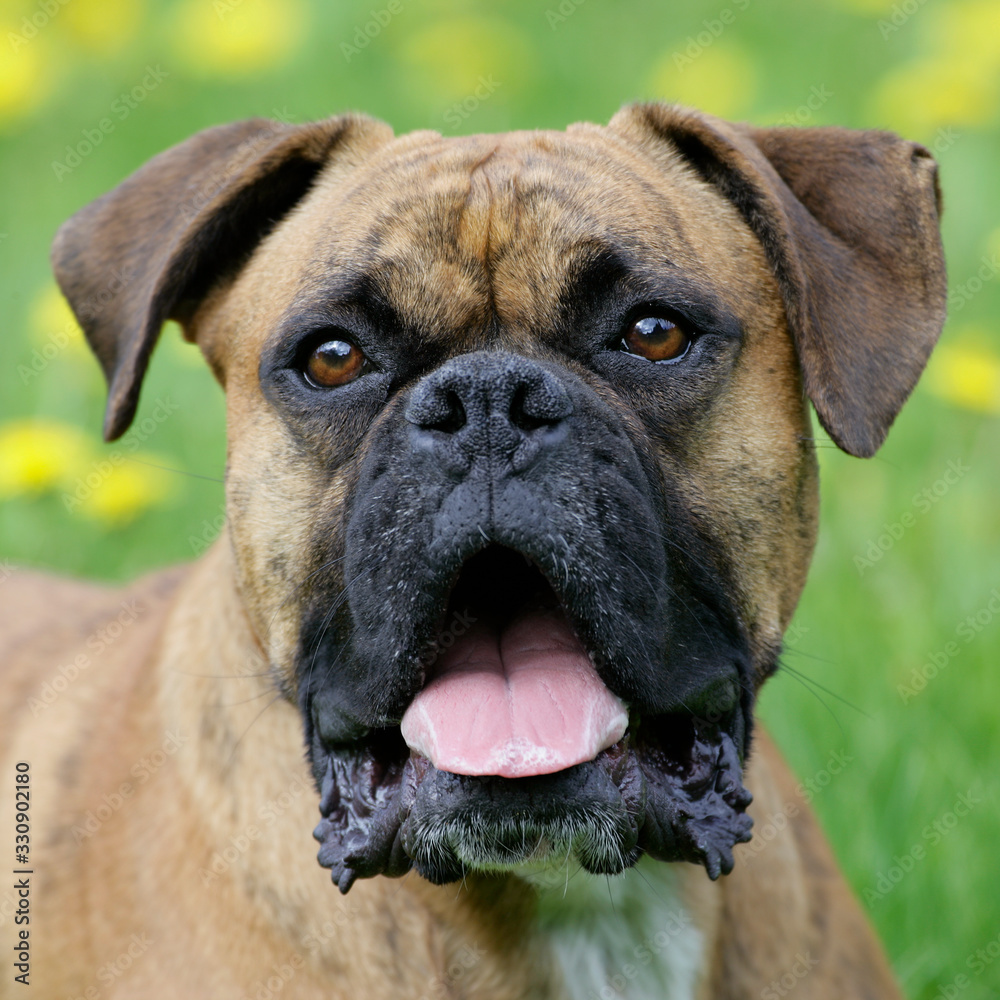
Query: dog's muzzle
{"points": [[523, 667]]}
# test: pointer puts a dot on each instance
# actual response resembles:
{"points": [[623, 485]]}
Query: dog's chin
{"points": [[387, 809]]}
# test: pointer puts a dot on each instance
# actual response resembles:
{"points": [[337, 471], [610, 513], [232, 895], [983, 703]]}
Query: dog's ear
{"points": [[849, 221], [153, 247]]}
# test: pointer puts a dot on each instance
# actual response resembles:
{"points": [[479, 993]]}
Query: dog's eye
{"points": [[655, 338], [334, 363]]}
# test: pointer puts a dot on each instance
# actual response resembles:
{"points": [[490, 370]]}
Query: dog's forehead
{"points": [[461, 234]]}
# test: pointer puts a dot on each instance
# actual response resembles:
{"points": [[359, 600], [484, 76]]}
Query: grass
{"points": [[866, 635]]}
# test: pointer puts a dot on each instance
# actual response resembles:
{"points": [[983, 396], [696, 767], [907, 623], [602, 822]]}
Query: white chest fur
{"points": [[627, 936]]}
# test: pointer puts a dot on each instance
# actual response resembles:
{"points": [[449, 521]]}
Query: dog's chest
{"points": [[627, 936]]}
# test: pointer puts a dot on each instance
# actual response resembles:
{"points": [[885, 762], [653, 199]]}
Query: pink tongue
{"points": [[515, 702]]}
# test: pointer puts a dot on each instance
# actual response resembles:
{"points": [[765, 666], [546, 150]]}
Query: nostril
{"points": [[454, 419], [437, 409], [519, 415], [534, 406], [447, 414]]}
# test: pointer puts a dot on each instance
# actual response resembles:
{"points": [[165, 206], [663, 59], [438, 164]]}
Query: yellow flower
{"points": [[233, 38], [52, 321], [956, 81], [102, 26], [125, 487], [26, 71], [39, 455], [716, 76], [917, 98], [967, 376], [460, 57]]}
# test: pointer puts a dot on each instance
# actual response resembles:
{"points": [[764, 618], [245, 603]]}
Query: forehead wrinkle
{"points": [[472, 239]]}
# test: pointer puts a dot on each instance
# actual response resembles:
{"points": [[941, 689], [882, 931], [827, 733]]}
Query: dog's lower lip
{"points": [[677, 810]]}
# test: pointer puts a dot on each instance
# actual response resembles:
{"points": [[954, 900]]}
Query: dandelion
{"points": [[39, 455], [234, 38], [966, 376]]}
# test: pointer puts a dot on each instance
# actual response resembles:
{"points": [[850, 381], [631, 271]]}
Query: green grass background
{"points": [[933, 74]]}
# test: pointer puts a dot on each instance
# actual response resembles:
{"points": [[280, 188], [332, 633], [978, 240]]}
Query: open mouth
{"points": [[511, 690], [515, 750]]}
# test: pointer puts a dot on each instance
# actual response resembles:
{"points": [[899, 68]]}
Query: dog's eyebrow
{"points": [[606, 280], [354, 300]]}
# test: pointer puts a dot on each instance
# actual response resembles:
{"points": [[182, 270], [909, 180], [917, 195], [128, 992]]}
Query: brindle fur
{"points": [[822, 243]]}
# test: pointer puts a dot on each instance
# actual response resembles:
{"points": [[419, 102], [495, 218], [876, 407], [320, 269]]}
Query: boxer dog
{"points": [[521, 492]]}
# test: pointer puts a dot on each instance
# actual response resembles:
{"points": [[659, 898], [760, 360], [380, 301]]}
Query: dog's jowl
{"points": [[521, 494]]}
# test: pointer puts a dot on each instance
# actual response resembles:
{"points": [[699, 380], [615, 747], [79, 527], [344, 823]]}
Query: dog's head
{"points": [[521, 483]]}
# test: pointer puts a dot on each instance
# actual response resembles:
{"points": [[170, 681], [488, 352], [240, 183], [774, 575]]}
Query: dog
{"points": [[521, 495]]}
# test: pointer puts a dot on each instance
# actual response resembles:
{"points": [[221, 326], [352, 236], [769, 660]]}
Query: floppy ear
{"points": [[151, 249], [849, 222]]}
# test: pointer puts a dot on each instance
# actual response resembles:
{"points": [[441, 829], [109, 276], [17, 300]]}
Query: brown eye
{"points": [[334, 363], [656, 339]]}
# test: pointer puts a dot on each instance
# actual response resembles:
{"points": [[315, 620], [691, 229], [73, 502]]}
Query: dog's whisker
{"points": [[179, 472], [297, 589], [221, 677], [327, 621], [806, 679], [246, 701]]}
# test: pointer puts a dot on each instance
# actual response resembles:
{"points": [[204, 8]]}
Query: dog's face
{"points": [[521, 483]]}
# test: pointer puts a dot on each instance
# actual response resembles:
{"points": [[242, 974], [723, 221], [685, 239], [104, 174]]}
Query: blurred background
{"points": [[889, 703]]}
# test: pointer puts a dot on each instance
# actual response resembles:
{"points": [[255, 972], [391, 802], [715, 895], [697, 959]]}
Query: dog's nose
{"points": [[494, 405]]}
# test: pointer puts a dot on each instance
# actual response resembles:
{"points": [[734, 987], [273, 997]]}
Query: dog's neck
{"points": [[630, 935], [251, 789]]}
